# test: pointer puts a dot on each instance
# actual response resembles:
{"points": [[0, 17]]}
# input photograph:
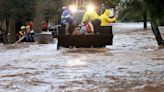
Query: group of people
{"points": [[90, 21], [25, 33]]}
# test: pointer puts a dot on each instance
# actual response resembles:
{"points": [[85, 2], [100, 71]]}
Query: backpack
{"points": [[89, 27]]}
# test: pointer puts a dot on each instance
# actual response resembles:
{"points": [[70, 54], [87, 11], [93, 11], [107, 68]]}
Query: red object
{"points": [[30, 23], [88, 28], [44, 26]]}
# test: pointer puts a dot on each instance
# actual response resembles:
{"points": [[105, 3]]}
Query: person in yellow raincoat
{"points": [[105, 19], [91, 16], [22, 32]]}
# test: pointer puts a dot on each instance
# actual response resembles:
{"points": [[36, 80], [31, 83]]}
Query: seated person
{"points": [[44, 26], [105, 19], [91, 17], [76, 31], [87, 28], [83, 30], [29, 34], [21, 33]]}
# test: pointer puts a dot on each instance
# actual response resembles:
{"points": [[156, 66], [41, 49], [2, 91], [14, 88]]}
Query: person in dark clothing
{"points": [[29, 34]]}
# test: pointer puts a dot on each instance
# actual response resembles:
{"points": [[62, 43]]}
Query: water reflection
{"points": [[76, 62]]}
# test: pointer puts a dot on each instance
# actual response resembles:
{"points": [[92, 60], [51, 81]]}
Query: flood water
{"points": [[134, 63]]}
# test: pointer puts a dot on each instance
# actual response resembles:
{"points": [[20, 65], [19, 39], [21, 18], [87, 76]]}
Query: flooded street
{"points": [[134, 63]]}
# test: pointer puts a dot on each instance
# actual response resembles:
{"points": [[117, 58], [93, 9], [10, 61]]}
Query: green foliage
{"points": [[17, 9], [68, 2], [53, 9], [155, 7], [111, 3], [108, 3], [130, 15], [133, 11], [156, 10], [26, 9]]}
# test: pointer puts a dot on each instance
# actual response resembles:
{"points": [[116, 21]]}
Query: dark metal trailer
{"points": [[103, 37]]}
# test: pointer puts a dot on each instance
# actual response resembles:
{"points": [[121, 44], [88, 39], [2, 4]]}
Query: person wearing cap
{"points": [[30, 23], [23, 30], [28, 34], [21, 33]]}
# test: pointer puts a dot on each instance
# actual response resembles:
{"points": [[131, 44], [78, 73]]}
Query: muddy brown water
{"points": [[134, 63]]}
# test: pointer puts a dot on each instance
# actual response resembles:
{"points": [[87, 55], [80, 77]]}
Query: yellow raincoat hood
{"points": [[107, 12], [105, 20], [88, 16]]}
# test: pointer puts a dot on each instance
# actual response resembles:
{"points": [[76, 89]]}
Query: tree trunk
{"points": [[5, 32], [145, 20], [12, 31], [156, 32], [39, 16], [161, 22], [5, 38]]}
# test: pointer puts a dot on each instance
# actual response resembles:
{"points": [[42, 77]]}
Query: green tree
{"points": [[134, 10], [47, 10], [156, 11], [11, 11]]}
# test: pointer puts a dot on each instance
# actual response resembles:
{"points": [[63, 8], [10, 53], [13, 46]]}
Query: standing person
{"points": [[105, 19], [67, 19]]}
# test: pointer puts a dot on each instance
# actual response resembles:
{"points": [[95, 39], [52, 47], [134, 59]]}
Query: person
{"points": [[21, 33], [67, 19], [44, 26], [29, 33], [105, 19], [23, 30], [76, 31], [91, 17], [87, 28], [83, 30], [30, 23]]}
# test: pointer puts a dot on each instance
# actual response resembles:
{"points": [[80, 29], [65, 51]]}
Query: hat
{"points": [[23, 27], [64, 7], [27, 27]]}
